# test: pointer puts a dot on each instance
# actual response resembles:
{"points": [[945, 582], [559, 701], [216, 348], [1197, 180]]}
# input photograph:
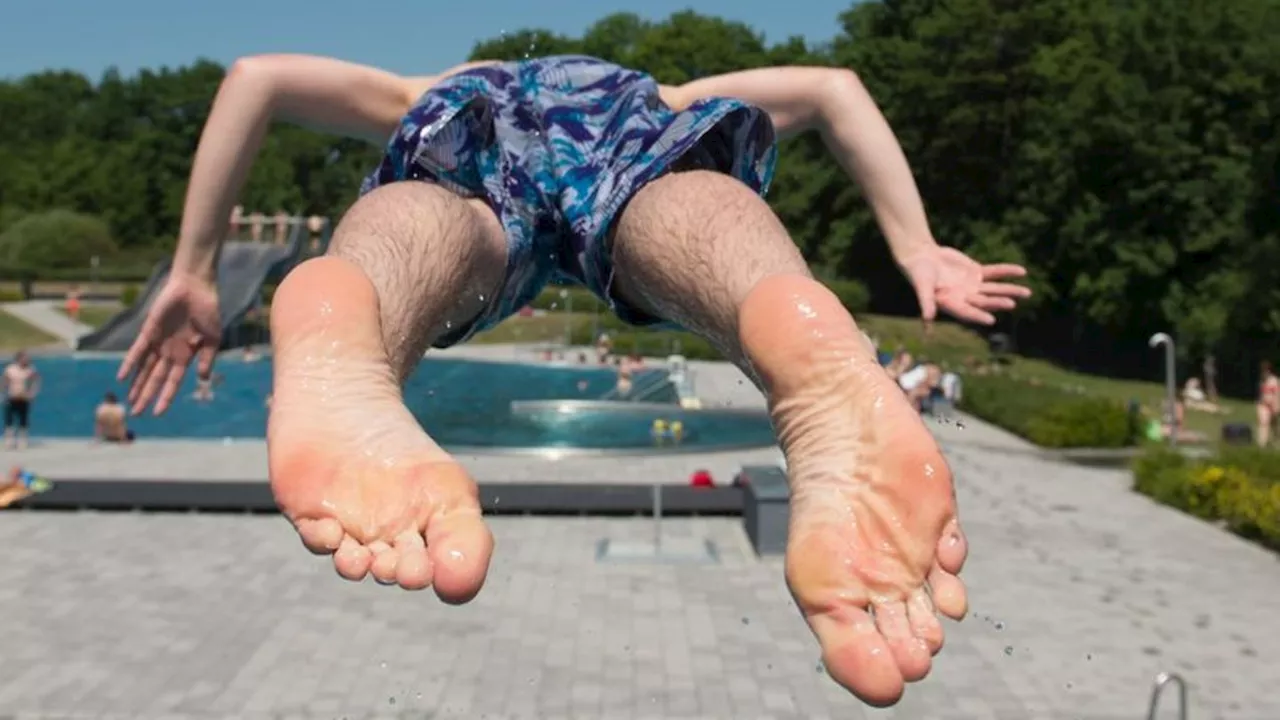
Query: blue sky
{"points": [[400, 35]]}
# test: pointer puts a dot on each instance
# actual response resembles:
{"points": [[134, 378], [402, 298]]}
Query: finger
{"points": [[968, 313], [205, 358], [925, 284], [172, 382], [986, 302], [155, 379], [137, 351], [1007, 289], [997, 271], [140, 382]]}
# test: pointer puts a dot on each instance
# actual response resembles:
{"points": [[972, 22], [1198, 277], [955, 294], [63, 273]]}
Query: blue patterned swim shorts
{"points": [[557, 146]]}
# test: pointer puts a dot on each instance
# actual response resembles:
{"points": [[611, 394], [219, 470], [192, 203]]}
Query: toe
{"points": [[857, 656], [322, 536], [352, 560], [923, 620], [953, 548], [459, 546], [385, 559], [911, 653], [413, 571], [948, 592]]}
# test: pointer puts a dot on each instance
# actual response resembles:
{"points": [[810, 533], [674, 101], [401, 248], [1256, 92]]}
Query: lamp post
{"points": [[1170, 381]]}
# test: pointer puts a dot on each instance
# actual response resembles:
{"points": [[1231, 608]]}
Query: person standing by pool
{"points": [[20, 385], [499, 177]]}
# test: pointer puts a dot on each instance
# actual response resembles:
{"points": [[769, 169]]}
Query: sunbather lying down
{"points": [[500, 176]]}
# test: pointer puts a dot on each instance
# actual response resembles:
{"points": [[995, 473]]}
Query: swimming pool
{"points": [[462, 403]]}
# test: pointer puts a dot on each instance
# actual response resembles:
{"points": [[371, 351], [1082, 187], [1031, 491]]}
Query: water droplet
{"points": [[481, 297], [419, 696], [959, 425], [1089, 656], [820, 668], [999, 626], [391, 700], [448, 324], [383, 665], [1069, 686], [745, 621], [1008, 649]]}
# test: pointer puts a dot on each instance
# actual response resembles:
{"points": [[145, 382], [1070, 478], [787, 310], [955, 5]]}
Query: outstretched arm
{"points": [[834, 102], [322, 93]]}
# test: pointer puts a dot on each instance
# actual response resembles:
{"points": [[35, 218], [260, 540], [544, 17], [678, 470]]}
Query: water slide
{"points": [[242, 269]]}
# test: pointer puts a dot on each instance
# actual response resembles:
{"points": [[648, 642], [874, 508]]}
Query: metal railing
{"points": [[1163, 680]]}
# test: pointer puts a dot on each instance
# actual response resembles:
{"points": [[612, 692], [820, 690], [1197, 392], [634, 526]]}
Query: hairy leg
{"points": [[873, 526], [349, 465]]}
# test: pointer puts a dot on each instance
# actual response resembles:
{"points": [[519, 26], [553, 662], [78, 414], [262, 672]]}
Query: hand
{"points": [[946, 278], [183, 323]]}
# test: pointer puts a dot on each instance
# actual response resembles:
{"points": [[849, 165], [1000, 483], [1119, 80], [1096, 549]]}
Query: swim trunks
{"points": [[557, 146]]}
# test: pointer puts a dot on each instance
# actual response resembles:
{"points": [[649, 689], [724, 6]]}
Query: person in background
{"points": [[72, 307], [1211, 378], [109, 421], [1268, 403], [19, 384]]}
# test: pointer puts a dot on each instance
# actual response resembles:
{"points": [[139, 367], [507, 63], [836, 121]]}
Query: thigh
{"points": [[438, 260]]}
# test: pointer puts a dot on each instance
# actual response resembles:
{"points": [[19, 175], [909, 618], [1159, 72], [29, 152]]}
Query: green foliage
{"points": [[7, 296], [853, 295], [1239, 487], [129, 295], [1049, 416], [576, 299], [56, 239]]}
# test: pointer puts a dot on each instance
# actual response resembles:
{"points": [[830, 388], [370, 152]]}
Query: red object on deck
{"points": [[701, 478]]}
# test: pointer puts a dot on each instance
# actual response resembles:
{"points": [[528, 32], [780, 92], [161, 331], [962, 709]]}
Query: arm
{"points": [[321, 93], [834, 102]]}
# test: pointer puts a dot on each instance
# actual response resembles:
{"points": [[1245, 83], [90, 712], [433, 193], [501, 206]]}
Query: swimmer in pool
{"points": [[498, 177]]}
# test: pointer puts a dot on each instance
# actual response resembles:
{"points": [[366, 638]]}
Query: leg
{"points": [[1264, 424], [9, 417], [873, 530], [349, 465]]}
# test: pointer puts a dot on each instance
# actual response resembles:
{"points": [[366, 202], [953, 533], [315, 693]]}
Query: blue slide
{"points": [[243, 267]]}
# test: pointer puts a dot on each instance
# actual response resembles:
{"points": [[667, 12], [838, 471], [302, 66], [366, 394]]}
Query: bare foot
{"points": [[349, 465], [874, 545]]}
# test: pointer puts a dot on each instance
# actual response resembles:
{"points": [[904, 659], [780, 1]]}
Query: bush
{"points": [[129, 295], [55, 240], [1238, 487], [7, 295], [1049, 416], [853, 295], [580, 300]]}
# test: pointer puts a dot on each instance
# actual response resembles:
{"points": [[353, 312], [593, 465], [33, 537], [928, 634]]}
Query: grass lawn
{"points": [[536, 329], [16, 334]]}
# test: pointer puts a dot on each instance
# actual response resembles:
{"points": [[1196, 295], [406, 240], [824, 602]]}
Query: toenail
{"points": [[380, 581]]}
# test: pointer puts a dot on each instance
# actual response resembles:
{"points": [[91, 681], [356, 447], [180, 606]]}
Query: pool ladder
{"points": [[1164, 680]]}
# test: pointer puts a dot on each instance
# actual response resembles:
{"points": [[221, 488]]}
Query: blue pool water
{"points": [[462, 403]]}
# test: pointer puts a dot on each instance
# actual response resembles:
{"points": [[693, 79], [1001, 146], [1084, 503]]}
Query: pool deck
{"points": [[1081, 592]]}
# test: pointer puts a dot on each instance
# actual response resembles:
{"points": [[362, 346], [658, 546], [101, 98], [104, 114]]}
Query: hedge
{"points": [[1239, 487], [1049, 416]]}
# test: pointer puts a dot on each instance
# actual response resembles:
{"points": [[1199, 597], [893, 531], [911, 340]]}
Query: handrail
{"points": [[1162, 681]]}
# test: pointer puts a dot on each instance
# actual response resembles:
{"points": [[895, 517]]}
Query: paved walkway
{"points": [[44, 314], [1081, 592]]}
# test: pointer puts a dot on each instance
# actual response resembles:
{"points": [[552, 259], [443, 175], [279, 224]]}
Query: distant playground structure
{"points": [[261, 249]]}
